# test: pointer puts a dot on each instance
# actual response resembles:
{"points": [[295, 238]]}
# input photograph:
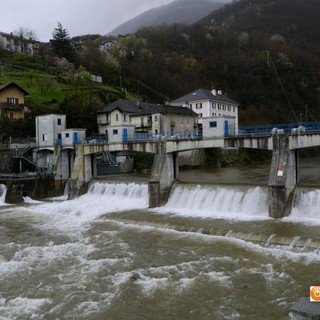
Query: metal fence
{"points": [[266, 130]]}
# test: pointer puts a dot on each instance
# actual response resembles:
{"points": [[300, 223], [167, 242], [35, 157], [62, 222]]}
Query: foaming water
{"points": [[119, 270], [101, 198], [3, 191], [217, 202], [306, 206]]}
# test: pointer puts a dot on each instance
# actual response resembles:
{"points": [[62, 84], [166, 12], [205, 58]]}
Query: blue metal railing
{"points": [[265, 130], [244, 131]]}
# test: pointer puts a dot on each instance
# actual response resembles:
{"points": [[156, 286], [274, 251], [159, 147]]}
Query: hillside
{"points": [[263, 54], [296, 22], [179, 11]]}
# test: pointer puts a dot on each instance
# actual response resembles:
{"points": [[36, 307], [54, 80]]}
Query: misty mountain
{"points": [[179, 11]]}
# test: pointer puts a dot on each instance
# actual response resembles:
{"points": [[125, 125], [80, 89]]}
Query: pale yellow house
{"points": [[12, 101]]}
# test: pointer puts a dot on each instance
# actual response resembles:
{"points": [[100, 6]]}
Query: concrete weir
{"points": [[283, 177]]}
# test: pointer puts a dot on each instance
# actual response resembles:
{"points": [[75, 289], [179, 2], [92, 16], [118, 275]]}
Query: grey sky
{"points": [[79, 17]]}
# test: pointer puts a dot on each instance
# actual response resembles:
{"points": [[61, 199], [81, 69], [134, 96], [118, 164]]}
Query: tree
{"points": [[61, 43], [22, 37], [25, 33]]}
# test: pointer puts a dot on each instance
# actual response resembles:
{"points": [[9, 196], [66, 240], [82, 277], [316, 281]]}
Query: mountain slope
{"points": [[179, 11], [296, 21]]}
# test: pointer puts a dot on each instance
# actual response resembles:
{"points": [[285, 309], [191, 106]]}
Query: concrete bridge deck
{"points": [[178, 145]]}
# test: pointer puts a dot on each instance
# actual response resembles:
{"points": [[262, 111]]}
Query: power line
{"points": [[281, 85]]}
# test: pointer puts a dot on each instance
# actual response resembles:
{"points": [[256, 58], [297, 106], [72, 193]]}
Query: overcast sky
{"points": [[79, 17]]}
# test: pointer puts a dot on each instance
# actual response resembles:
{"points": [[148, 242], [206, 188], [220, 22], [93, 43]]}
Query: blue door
{"points": [[226, 128], [125, 135], [75, 138]]}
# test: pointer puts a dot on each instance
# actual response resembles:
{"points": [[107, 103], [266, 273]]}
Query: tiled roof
{"points": [[144, 108], [13, 84], [204, 94]]}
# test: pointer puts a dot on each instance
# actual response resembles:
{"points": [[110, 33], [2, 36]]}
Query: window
{"points": [[213, 124], [190, 106], [59, 121], [213, 105], [199, 105], [224, 107], [117, 117], [219, 106], [155, 118], [11, 115], [12, 100], [67, 135], [124, 117], [234, 109], [229, 108], [200, 115], [115, 131], [45, 137]]}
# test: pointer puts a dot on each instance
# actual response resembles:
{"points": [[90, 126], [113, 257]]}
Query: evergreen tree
{"points": [[61, 43]]}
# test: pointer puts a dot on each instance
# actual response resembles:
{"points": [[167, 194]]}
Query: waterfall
{"points": [[306, 204], [212, 201], [3, 191]]}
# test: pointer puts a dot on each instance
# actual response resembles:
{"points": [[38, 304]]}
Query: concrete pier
{"points": [[165, 171], [283, 177]]}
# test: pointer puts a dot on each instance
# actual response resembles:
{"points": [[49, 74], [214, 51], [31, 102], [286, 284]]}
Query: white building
{"points": [[107, 46], [70, 137], [208, 104], [221, 126], [48, 130], [15, 43]]}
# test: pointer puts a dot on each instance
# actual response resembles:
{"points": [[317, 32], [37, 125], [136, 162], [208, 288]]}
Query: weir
{"points": [[77, 164]]}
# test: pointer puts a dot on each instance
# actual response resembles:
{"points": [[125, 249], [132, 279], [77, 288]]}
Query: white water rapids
{"points": [[105, 255]]}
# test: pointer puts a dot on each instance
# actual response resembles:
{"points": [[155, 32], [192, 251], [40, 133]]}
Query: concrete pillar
{"points": [[283, 177], [164, 172]]}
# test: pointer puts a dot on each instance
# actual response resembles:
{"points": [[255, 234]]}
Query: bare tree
{"points": [[23, 35], [26, 33]]}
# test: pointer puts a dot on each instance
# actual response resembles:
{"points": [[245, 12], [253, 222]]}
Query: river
{"points": [[211, 252]]}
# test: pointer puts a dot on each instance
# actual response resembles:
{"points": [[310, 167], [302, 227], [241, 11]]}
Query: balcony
{"points": [[11, 106], [103, 122]]}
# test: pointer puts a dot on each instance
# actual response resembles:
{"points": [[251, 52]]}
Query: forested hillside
{"points": [[258, 52], [262, 53]]}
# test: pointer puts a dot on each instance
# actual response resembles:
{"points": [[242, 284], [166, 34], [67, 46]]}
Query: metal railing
{"points": [[266, 130]]}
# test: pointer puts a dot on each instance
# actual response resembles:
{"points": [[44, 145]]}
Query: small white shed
{"points": [[121, 133], [70, 137], [222, 126]]}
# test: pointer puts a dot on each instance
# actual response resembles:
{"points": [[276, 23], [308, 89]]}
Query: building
{"points": [[49, 129], [52, 135], [209, 104], [12, 101], [220, 126], [15, 43], [70, 137], [108, 46], [124, 119]]}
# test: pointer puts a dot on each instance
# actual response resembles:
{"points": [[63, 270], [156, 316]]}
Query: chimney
{"points": [[214, 92]]}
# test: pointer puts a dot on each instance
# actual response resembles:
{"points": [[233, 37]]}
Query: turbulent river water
{"points": [[211, 252]]}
